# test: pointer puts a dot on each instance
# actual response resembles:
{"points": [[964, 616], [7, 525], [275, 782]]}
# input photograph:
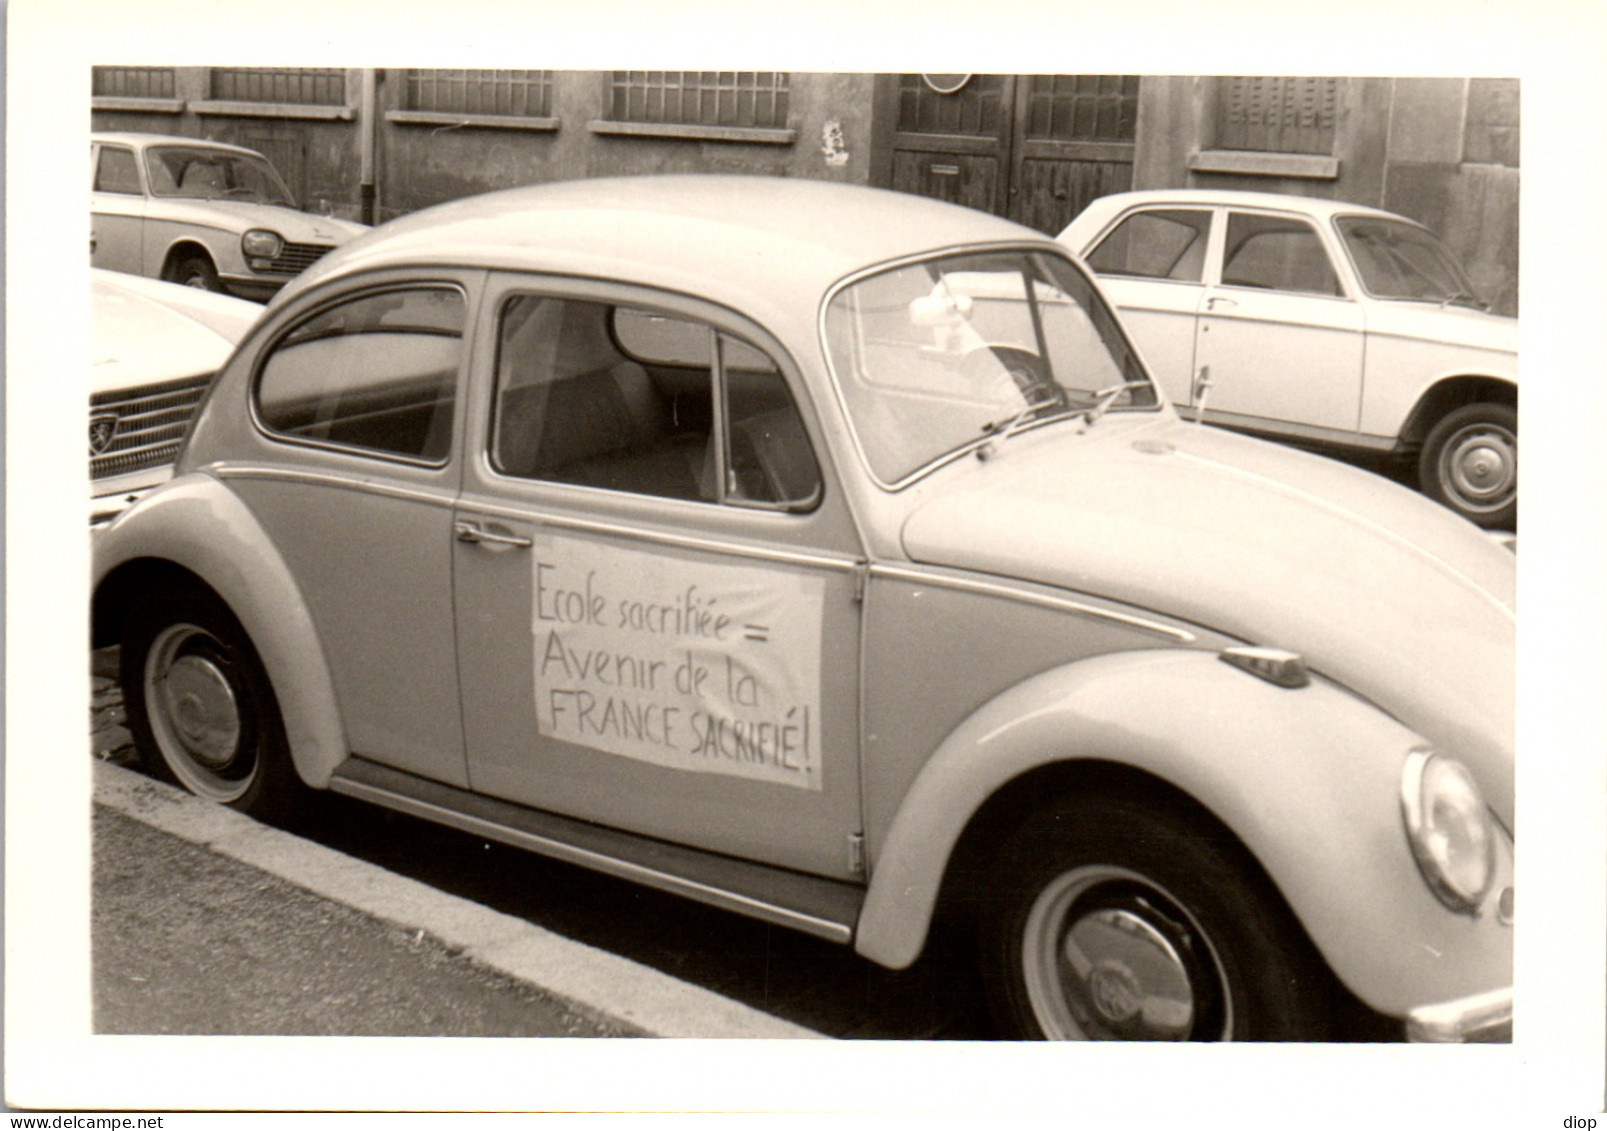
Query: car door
{"points": [[1152, 265], [1280, 341], [355, 400], [656, 584], [116, 209]]}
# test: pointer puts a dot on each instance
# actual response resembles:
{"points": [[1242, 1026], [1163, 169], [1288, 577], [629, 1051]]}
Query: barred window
{"points": [[754, 99], [307, 86], [133, 82], [1082, 107], [1277, 115], [513, 94]]}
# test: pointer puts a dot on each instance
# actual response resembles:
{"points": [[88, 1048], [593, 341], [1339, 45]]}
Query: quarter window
{"points": [[377, 373], [639, 401], [1276, 253], [117, 172], [1155, 245]]}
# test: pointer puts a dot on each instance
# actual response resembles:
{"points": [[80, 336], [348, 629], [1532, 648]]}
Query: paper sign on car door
{"points": [[695, 666]]}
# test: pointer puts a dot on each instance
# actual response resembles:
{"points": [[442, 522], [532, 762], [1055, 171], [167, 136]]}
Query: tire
{"points": [[1470, 463], [200, 707], [1114, 918], [196, 271]]}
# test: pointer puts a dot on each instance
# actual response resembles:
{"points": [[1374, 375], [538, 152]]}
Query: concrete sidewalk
{"points": [[206, 922]]}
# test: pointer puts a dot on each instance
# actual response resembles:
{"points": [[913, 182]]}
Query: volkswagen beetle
{"points": [[828, 555], [200, 213], [1320, 323]]}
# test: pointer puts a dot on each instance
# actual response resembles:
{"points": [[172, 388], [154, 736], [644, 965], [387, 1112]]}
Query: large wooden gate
{"points": [[1034, 148]]}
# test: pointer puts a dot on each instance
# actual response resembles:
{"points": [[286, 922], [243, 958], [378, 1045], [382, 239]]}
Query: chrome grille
{"points": [[296, 258], [150, 424]]}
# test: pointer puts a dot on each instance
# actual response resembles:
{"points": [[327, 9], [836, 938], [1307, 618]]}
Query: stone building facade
{"points": [[382, 143]]}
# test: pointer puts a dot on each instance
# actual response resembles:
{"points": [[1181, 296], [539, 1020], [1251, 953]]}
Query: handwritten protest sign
{"points": [[695, 666]]}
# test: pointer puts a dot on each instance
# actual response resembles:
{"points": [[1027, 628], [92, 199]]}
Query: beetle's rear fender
{"points": [[1307, 779], [198, 525]]}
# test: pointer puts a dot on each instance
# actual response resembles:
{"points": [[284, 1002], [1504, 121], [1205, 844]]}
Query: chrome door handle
{"points": [[475, 533]]}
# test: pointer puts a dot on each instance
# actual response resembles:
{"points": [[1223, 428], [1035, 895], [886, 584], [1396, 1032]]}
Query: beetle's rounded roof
{"points": [[716, 236]]}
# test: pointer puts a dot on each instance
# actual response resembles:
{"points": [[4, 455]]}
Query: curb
{"points": [[604, 983]]}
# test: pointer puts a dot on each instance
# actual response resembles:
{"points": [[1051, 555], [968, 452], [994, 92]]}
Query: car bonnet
{"points": [[1379, 589]]}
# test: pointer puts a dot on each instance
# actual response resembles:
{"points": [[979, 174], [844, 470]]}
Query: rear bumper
{"points": [[1485, 1017]]}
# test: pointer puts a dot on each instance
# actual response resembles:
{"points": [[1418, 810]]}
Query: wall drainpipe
{"points": [[367, 191]]}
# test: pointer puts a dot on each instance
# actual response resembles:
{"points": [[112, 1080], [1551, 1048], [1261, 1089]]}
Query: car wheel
{"points": [[196, 271], [200, 708], [1113, 918], [1470, 463]]}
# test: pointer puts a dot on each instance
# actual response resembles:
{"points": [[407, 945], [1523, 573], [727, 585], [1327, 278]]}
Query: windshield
{"points": [[213, 174], [936, 356], [1402, 261]]}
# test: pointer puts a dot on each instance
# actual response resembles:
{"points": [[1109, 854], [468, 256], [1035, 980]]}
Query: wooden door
{"points": [[1034, 148]]}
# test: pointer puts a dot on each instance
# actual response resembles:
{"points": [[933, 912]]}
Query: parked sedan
{"points": [[201, 213], [828, 555], [155, 347], [1318, 323]]}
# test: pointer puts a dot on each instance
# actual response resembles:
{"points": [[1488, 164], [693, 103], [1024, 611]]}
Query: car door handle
{"points": [[475, 533], [1216, 302]]}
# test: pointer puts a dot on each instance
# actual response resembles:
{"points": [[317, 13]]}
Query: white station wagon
{"points": [[200, 213], [827, 554], [1318, 323]]}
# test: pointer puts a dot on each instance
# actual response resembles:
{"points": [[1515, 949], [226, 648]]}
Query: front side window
{"points": [[1276, 253], [1402, 261], [936, 356], [1162, 244], [646, 402], [213, 174], [378, 373], [117, 171]]}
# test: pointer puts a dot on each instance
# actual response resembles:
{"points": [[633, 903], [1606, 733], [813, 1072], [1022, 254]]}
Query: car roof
{"points": [[130, 137], [739, 240], [1318, 207]]}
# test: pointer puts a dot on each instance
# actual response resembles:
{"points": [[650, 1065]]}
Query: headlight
{"points": [[1450, 829], [261, 243]]}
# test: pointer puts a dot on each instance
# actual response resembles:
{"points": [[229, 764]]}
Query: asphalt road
{"points": [[187, 941]]}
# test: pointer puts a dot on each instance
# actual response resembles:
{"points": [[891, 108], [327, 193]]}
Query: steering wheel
{"points": [[1025, 368]]}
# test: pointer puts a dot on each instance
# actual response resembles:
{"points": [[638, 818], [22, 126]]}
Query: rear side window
{"points": [[377, 373], [1163, 244], [1277, 254]]}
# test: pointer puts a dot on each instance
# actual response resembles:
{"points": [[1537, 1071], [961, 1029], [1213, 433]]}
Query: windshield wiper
{"points": [[1464, 297], [1104, 398], [1009, 425]]}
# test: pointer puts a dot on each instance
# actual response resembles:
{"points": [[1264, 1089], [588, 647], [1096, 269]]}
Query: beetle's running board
{"points": [[817, 906]]}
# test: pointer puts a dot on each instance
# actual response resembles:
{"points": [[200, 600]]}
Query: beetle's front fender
{"points": [[1307, 779], [196, 523]]}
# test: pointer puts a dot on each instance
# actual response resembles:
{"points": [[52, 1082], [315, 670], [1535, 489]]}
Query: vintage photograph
{"points": [[856, 559]]}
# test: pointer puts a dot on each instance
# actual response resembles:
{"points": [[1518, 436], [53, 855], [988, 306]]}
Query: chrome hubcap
{"points": [[1479, 466], [1108, 955], [195, 714]]}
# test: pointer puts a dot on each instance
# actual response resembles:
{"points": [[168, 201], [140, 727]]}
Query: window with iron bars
{"points": [[742, 99], [305, 86], [1277, 115], [133, 82], [512, 94]]}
